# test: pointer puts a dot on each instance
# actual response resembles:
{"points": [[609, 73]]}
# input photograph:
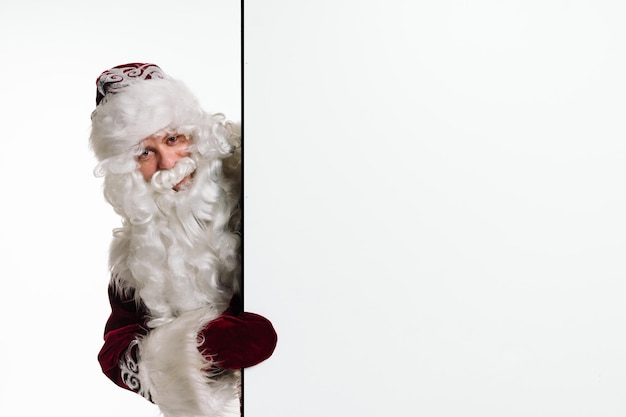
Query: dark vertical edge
{"points": [[242, 198]]}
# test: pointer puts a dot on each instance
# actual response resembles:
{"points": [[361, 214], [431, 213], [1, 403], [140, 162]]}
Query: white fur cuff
{"points": [[174, 372]]}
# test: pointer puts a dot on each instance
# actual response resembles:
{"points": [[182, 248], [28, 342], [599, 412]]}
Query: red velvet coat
{"points": [[126, 324], [232, 341]]}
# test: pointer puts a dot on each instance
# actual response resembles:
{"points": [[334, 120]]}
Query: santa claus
{"points": [[172, 171]]}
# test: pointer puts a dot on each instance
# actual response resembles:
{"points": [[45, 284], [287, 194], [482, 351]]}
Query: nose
{"points": [[168, 158]]}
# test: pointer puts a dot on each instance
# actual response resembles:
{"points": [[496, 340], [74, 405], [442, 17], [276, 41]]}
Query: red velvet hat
{"points": [[112, 80]]}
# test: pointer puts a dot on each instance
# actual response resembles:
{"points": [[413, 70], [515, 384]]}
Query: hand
{"points": [[241, 341]]}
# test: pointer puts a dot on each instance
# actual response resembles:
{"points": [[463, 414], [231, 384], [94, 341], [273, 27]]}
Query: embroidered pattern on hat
{"points": [[116, 78]]}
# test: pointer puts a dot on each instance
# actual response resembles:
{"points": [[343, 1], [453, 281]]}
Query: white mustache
{"points": [[165, 180]]}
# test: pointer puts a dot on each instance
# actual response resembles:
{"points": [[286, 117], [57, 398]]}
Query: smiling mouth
{"points": [[184, 183]]}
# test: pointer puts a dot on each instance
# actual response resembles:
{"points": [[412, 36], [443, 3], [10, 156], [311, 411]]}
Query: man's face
{"points": [[162, 151]]}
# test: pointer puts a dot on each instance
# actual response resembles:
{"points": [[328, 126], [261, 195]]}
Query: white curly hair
{"points": [[176, 250]]}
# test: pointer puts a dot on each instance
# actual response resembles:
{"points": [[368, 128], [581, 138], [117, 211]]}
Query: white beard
{"points": [[165, 180], [176, 250]]}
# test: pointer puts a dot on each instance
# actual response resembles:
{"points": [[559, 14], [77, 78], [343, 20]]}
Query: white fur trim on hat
{"points": [[122, 120], [177, 376]]}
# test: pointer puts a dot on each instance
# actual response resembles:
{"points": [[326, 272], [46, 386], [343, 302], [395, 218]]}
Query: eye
{"points": [[172, 139], [144, 155]]}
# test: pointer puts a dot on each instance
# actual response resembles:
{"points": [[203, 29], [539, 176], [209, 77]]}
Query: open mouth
{"points": [[184, 183]]}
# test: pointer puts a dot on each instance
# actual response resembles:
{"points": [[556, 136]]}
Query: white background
{"points": [[435, 214], [55, 226], [434, 200]]}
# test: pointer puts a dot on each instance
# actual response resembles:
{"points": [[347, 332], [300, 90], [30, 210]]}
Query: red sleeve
{"points": [[118, 356]]}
